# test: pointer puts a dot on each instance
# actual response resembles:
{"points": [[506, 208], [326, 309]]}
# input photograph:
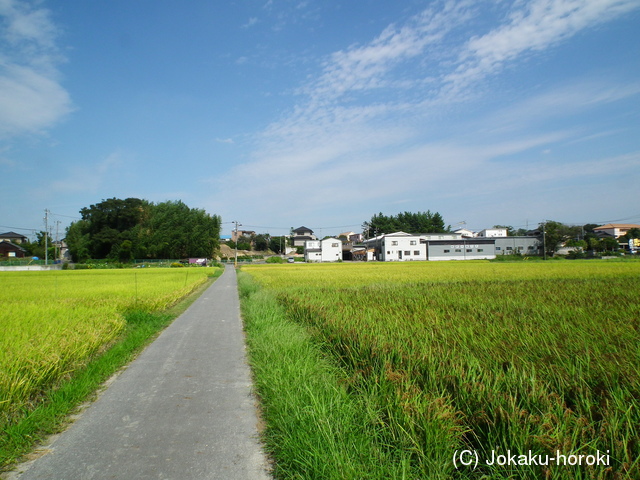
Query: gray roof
{"points": [[12, 235]]}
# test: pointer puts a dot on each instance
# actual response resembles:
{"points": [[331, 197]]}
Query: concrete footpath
{"points": [[182, 410]]}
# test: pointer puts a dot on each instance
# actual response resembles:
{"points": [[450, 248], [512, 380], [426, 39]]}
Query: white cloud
{"points": [[88, 178], [561, 101], [536, 26], [31, 96], [368, 66], [251, 22]]}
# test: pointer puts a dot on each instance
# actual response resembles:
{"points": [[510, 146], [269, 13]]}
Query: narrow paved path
{"points": [[182, 410]]}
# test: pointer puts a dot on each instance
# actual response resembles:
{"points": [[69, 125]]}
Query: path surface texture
{"points": [[182, 410]]}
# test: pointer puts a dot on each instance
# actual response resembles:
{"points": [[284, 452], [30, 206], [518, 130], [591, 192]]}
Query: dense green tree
{"points": [[556, 234], [278, 244], [173, 230], [420, 222], [609, 244], [132, 228], [261, 241], [78, 241], [110, 222]]}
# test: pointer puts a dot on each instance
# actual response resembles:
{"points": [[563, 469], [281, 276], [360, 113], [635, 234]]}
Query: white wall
{"points": [[331, 250], [327, 250], [404, 249]]}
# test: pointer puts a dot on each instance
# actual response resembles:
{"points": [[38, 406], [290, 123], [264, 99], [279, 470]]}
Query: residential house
{"points": [[302, 235], [466, 233], [13, 237], [352, 236], [11, 250], [236, 234], [326, 250]]}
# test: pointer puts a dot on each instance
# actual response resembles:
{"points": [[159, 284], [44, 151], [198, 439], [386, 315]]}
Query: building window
{"points": [[416, 252], [469, 250], [334, 245], [412, 242], [394, 243], [458, 250], [446, 250], [407, 252], [498, 248], [520, 248], [481, 249], [509, 248]]}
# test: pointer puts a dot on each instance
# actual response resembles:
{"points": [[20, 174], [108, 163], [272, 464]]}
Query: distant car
{"points": [[290, 260]]}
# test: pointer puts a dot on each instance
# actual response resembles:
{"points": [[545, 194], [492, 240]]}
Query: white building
{"points": [[466, 233], [397, 247], [493, 232], [401, 246], [327, 250]]}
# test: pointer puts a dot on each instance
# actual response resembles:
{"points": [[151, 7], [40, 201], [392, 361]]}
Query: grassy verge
{"points": [[315, 428], [51, 414]]}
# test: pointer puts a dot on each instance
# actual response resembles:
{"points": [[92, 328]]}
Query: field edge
{"points": [[20, 440]]}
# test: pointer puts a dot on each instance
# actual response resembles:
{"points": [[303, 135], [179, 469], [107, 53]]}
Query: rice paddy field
{"points": [[53, 323], [479, 369]]}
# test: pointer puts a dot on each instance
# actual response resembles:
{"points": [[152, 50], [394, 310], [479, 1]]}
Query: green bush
{"points": [[275, 260], [177, 265]]}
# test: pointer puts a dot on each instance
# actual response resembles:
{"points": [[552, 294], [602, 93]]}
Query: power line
{"points": [[19, 228], [65, 216], [287, 228]]}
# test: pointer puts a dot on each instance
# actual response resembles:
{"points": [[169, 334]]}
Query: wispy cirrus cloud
{"points": [[532, 27], [31, 96], [370, 66], [88, 178]]}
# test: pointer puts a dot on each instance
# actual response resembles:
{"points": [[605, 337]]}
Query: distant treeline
{"points": [[408, 222], [122, 230]]}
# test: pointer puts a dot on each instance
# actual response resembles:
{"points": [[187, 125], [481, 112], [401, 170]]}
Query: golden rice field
{"points": [[539, 358], [52, 323]]}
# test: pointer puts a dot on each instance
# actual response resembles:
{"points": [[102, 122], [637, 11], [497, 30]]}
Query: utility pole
{"points": [[46, 235], [235, 263], [57, 243]]}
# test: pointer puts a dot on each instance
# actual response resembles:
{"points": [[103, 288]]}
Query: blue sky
{"points": [[283, 113]]}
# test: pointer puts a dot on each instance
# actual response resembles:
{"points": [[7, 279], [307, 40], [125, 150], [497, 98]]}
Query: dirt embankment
{"points": [[227, 251]]}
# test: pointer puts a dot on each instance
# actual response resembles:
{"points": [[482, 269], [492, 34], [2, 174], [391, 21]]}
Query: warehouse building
{"points": [[402, 247]]}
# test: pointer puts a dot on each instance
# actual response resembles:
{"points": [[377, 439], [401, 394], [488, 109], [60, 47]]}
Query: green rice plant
{"points": [[53, 323], [540, 358]]}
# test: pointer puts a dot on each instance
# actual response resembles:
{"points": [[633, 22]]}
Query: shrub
{"points": [[275, 260]]}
